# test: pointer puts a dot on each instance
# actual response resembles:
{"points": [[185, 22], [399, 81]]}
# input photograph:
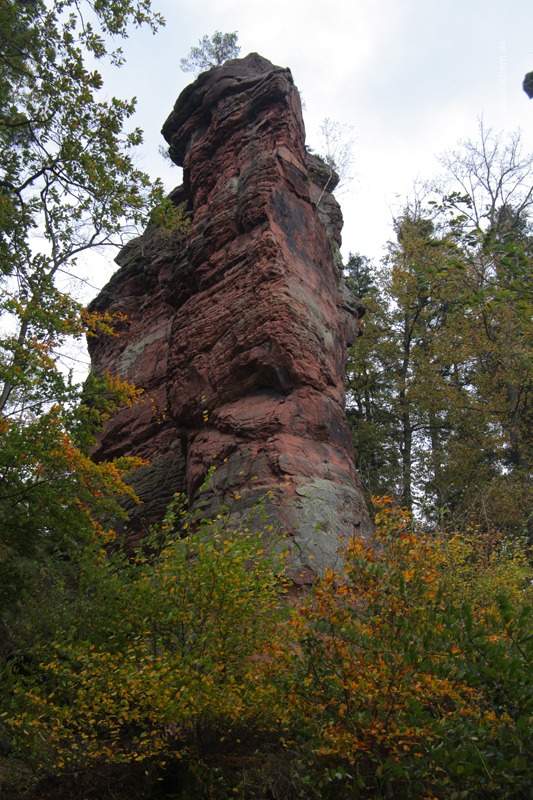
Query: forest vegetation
{"points": [[191, 669]]}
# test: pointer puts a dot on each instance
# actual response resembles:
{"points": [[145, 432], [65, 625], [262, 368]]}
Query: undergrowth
{"points": [[190, 673]]}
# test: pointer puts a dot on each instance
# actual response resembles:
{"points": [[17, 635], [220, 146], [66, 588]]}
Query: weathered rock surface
{"points": [[249, 320]]}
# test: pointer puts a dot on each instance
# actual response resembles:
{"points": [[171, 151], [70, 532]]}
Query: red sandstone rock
{"points": [[249, 320]]}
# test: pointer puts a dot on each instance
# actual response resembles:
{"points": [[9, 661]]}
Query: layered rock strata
{"points": [[239, 334]]}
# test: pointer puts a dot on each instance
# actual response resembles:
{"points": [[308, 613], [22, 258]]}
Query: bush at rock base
{"points": [[414, 695], [190, 669]]}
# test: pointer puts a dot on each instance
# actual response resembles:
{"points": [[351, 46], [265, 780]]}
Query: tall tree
{"points": [[370, 409], [442, 385], [68, 183], [396, 364]]}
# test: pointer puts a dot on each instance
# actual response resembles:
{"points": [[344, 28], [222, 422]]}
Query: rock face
{"points": [[245, 323]]}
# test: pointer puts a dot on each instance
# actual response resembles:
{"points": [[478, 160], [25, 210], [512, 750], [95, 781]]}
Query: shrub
{"points": [[404, 692], [150, 651], [380, 683]]}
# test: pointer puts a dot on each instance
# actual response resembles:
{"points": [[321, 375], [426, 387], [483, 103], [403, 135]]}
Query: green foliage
{"points": [[66, 174], [67, 183], [476, 569], [148, 652], [170, 217], [439, 389], [358, 271], [211, 52], [190, 664], [53, 498], [407, 675], [393, 380], [410, 693]]}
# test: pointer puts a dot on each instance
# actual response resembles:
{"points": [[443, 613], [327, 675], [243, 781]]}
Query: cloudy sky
{"points": [[411, 76]]}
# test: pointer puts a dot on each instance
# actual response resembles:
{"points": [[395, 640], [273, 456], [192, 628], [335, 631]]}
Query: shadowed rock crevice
{"points": [[248, 318]]}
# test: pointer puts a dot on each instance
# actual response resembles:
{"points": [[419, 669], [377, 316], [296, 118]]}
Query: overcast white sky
{"points": [[411, 76]]}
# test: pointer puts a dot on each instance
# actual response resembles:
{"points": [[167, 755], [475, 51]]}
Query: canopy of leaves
{"points": [[68, 183], [439, 388]]}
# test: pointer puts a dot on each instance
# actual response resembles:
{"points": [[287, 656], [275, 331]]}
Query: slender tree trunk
{"points": [[406, 447], [515, 437], [436, 450], [8, 385], [406, 450]]}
